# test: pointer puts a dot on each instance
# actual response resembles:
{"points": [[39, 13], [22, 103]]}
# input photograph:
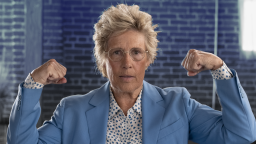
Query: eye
{"points": [[117, 52], [136, 51]]}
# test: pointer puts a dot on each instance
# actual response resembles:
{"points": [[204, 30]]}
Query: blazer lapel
{"points": [[97, 117], [152, 113]]}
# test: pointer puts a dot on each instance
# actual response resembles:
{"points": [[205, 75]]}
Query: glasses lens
{"points": [[115, 54], [137, 54]]}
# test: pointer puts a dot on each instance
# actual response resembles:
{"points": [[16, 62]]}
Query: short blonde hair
{"points": [[118, 20]]}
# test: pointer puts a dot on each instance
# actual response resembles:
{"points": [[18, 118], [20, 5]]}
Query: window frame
{"points": [[244, 54]]}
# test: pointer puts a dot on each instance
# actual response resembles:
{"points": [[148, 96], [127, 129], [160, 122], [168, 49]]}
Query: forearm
{"points": [[24, 117], [237, 114]]}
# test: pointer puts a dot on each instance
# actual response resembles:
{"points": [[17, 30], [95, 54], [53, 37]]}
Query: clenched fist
{"points": [[50, 72], [197, 61]]}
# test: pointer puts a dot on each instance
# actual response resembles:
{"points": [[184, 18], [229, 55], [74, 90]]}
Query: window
{"points": [[248, 25]]}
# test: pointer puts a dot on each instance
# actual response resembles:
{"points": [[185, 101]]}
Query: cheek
{"points": [[110, 70]]}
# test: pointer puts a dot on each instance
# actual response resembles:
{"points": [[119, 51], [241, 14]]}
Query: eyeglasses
{"points": [[117, 54]]}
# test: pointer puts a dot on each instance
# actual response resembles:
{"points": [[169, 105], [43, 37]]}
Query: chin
{"points": [[128, 87]]}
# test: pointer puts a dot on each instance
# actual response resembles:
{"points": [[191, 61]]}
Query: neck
{"points": [[126, 100]]}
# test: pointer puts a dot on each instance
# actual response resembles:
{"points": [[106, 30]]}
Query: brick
{"points": [[71, 14], [190, 34], [81, 33], [84, 81], [73, 51], [171, 76], [197, 10], [182, 40], [82, 39], [73, 2], [83, 20], [8, 34], [74, 63], [220, 11], [188, 28], [161, 70], [176, 4], [171, 28], [18, 6], [92, 3], [72, 39], [150, 3], [159, 10], [227, 4], [228, 17], [89, 64], [183, 16], [92, 75], [18, 46], [171, 64], [179, 22], [196, 23], [82, 8], [65, 8], [72, 27], [196, 46], [167, 16], [228, 28], [151, 76], [8, 20], [82, 58], [74, 75], [66, 20], [18, 53], [206, 28], [17, 19], [207, 17], [19, 13], [178, 10], [17, 26], [91, 15], [83, 46], [160, 22]]}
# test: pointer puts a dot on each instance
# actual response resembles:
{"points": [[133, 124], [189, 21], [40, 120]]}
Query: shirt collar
{"points": [[114, 107]]}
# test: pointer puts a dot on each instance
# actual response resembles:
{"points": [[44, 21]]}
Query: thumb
{"points": [[62, 81], [190, 73]]}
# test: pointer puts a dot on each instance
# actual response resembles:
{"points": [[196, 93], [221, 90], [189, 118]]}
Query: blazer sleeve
{"points": [[24, 117], [235, 124]]}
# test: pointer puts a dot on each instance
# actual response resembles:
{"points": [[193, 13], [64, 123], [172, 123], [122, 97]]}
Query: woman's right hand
{"points": [[50, 72]]}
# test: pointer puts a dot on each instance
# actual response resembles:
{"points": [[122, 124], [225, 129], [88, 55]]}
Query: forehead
{"points": [[127, 40]]}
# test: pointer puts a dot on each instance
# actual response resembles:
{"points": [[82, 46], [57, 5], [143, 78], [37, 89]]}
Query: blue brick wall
{"points": [[68, 30], [67, 37], [12, 47], [12, 54]]}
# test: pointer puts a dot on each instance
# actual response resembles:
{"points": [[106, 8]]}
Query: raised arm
{"points": [[236, 123], [26, 108]]}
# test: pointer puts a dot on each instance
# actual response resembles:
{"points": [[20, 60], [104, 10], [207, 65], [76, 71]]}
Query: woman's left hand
{"points": [[197, 61]]}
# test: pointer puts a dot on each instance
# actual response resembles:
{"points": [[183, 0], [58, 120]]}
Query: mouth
{"points": [[126, 78]]}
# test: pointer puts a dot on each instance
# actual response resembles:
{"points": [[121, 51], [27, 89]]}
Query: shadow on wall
{"points": [[4, 71]]}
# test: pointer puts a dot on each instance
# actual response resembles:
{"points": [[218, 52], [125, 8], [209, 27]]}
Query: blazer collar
{"points": [[152, 114]]}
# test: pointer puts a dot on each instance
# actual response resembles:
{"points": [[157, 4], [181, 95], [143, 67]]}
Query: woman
{"points": [[127, 109]]}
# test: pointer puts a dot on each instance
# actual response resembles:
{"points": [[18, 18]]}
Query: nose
{"points": [[127, 60]]}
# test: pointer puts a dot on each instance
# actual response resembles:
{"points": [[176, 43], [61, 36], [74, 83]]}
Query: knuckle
{"points": [[52, 60]]}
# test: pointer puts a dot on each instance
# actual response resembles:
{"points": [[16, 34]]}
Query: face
{"points": [[126, 75]]}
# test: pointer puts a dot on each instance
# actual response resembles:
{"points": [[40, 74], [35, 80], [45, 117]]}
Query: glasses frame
{"points": [[124, 52]]}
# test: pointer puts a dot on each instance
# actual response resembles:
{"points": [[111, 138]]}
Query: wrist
{"points": [[34, 78], [218, 65]]}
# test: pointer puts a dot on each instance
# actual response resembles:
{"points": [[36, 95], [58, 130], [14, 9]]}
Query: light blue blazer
{"points": [[169, 116]]}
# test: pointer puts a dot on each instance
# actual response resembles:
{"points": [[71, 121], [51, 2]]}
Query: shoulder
{"points": [[79, 100], [177, 92]]}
